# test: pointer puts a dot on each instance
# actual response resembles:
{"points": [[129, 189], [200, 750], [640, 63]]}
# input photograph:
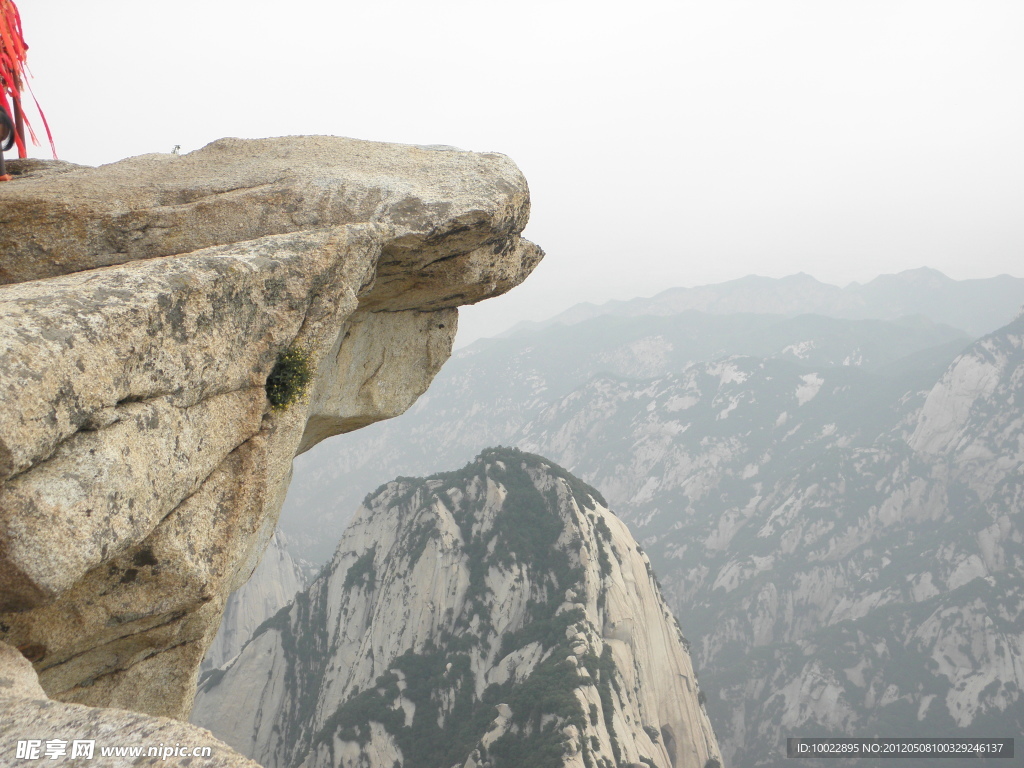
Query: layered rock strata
{"points": [[496, 616], [142, 467]]}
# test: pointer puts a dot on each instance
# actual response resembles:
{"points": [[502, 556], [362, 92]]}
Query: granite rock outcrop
{"points": [[499, 615], [145, 305], [79, 735]]}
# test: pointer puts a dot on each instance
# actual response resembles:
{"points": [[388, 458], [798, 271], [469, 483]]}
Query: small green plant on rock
{"points": [[289, 379]]}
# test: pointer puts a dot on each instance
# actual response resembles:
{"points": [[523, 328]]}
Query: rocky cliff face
{"points": [[106, 737], [495, 616], [146, 304], [271, 587]]}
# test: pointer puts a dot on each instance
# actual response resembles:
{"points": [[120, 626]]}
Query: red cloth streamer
{"points": [[13, 74]]}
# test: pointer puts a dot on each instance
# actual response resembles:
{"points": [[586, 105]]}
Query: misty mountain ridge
{"points": [[977, 306], [847, 557], [832, 505], [489, 392]]}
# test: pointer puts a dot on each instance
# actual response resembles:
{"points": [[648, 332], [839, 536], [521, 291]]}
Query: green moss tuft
{"points": [[289, 379]]}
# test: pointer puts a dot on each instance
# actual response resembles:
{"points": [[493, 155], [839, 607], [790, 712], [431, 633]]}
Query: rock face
{"points": [[271, 587], [29, 715], [499, 615], [142, 467]]}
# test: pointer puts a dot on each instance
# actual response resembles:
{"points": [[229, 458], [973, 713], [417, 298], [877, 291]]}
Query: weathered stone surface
{"points": [[270, 588], [436, 202], [37, 167], [142, 468], [28, 714], [378, 352]]}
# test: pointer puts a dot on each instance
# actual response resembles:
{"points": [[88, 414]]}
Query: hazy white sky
{"points": [[666, 143]]}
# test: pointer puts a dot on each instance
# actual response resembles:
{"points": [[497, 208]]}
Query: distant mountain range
{"points": [[833, 505], [975, 306], [846, 552], [490, 391]]}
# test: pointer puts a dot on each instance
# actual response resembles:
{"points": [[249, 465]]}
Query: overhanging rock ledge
{"points": [[143, 305]]}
